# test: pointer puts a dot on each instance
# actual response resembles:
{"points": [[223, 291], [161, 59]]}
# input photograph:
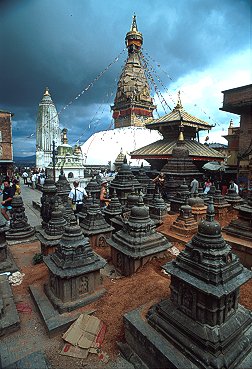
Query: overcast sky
{"points": [[200, 47]]}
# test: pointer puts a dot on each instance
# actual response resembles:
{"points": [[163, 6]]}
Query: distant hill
{"points": [[25, 160]]}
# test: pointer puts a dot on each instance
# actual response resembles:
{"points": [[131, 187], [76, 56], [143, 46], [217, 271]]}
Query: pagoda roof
{"points": [[178, 116], [163, 149]]}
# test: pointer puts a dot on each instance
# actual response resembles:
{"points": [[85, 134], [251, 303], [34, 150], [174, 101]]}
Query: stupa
{"points": [[74, 269], [123, 182], [202, 325], [63, 189], [182, 194], [221, 206], [138, 242], [20, 229], [171, 187], [49, 191], [233, 198], [158, 208], [143, 179], [185, 225], [198, 207], [93, 189], [50, 236], [95, 226], [150, 193], [113, 209]]}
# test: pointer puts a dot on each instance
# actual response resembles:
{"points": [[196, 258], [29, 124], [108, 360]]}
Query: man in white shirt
{"points": [[235, 186], [77, 196]]}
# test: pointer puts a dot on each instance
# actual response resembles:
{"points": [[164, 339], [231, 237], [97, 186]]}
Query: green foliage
{"points": [[37, 258]]}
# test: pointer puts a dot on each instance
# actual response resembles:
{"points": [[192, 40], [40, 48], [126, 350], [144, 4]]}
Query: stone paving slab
{"points": [[53, 321], [36, 360], [10, 321]]}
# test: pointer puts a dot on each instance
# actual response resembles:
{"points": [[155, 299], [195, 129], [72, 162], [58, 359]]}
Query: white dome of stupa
{"points": [[103, 147]]}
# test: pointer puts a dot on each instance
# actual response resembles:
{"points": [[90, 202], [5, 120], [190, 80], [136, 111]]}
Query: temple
{"points": [[133, 105], [47, 130], [170, 125]]}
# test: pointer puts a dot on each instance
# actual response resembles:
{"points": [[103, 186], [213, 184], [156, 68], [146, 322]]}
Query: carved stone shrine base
{"points": [[185, 228], [221, 212], [99, 240], [128, 265], [7, 263], [48, 243], [199, 213], [67, 294], [161, 344]]}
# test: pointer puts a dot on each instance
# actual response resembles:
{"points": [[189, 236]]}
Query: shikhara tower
{"points": [[47, 130], [133, 105]]}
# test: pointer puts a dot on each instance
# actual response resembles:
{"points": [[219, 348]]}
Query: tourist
{"points": [[16, 187], [104, 200], [159, 181], [8, 193], [232, 184], [207, 185], [77, 195], [25, 175], [194, 185], [33, 180]]}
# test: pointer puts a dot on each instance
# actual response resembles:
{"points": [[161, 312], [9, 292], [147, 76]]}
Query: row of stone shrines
{"points": [[201, 322]]}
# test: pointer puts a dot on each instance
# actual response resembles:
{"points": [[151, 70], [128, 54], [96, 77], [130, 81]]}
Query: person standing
{"points": [[104, 200], [25, 176], [207, 185], [77, 195], [234, 185], [194, 185], [8, 193]]}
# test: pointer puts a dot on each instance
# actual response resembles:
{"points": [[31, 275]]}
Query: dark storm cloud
{"points": [[66, 44]]}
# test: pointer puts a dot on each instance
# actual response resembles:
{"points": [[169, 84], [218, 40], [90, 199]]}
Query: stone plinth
{"points": [[49, 191], [9, 319], [199, 208], [185, 225], [123, 182], [19, 229], [138, 242], [202, 325], [50, 236], [74, 271], [95, 226], [7, 263], [233, 198]]}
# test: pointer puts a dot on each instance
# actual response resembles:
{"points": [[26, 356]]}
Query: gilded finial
{"points": [[64, 136], [134, 23], [231, 124], [46, 91], [181, 134], [179, 104]]}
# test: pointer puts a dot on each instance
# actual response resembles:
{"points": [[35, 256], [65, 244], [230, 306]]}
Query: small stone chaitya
{"points": [[138, 242], [74, 269], [185, 224]]}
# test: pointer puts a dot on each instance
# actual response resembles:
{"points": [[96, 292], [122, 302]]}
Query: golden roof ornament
{"points": [[179, 104], [134, 24], [181, 134], [46, 93], [64, 136], [231, 124]]}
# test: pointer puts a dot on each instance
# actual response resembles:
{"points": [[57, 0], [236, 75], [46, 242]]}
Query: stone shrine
{"points": [[138, 242], [113, 209], [74, 269], [63, 190], [158, 209], [20, 229], [221, 206], [202, 325], [95, 226], [123, 182], [198, 207], [49, 191], [171, 187], [185, 225], [50, 236], [143, 179], [93, 189], [182, 194], [7, 263], [233, 198], [242, 227], [150, 193]]}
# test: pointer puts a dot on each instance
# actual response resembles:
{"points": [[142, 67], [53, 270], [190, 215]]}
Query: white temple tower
{"points": [[47, 130]]}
